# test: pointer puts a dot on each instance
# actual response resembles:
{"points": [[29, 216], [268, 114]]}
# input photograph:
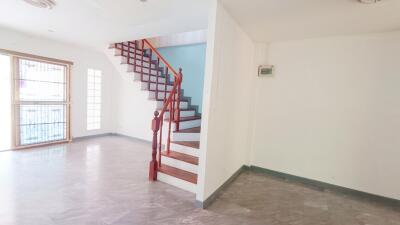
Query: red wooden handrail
{"points": [[161, 58], [178, 76]]}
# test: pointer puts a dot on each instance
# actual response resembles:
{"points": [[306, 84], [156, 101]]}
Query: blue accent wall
{"points": [[192, 60]]}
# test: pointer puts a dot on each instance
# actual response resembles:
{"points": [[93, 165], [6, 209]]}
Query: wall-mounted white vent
{"points": [[45, 4], [369, 1], [265, 71]]}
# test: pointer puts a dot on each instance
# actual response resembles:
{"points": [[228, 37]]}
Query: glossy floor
{"points": [[104, 181]]}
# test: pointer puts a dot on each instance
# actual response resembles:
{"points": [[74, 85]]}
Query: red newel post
{"points": [[155, 126]]}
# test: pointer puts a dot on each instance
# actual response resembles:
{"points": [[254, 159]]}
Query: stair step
{"points": [[188, 109], [159, 83], [144, 73], [184, 112], [183, 105], [192, 144], [182, 157], [186, 118], [159, 99], [144, 67], [178, 173], [153, 77], [146, 58], [190, 130], [184, 149], [125, 48], [179, 136], [153, 86]]}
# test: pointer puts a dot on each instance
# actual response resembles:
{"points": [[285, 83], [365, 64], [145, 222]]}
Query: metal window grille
{"points": [[41, 102]]}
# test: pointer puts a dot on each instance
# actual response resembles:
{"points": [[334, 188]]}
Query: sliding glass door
{"points": [[5, 102], [41, 102]]}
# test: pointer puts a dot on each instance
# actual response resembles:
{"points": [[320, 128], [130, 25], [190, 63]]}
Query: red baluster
{"points": [[141, 73], [149, 70], [157, 73], [171, 112], [165, 84], [178, 106], [173, 103], [129, 54], [155, 126], [134, 56], [160, 143]]}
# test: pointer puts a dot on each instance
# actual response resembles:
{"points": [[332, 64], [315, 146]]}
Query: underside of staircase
{"points": [[177, 145]]}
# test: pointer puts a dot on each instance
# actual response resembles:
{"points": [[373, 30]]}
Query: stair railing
{"points": [[171, 104]]}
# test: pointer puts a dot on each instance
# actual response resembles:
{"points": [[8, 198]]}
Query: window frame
{"points": [[15, 57]]}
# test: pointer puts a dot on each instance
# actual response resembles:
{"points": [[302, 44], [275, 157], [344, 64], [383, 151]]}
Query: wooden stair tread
{"points": [[162, 100], [188, 109], [192, 144], [144, 73], [159, 83], [186, 118], [190, 130], [178, 173], [182, 157], [144, 67]]}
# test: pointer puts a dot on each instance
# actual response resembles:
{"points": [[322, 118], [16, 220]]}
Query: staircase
{"points": [[176, 123]]}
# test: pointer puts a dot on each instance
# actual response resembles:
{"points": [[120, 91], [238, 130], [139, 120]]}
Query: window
{"points": [[94, 99], [41, 104], [36, 90]]}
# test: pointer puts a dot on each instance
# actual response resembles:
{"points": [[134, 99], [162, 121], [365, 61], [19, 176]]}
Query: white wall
{"points": [[186, 38], [331, 113], [226, 102], [133, 111], [83, 59]]}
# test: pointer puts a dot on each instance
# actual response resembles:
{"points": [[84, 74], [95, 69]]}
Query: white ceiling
{"points": [[96, 23], [278, 20]]}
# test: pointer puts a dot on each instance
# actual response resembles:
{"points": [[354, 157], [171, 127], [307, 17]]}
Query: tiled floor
{"points": [[104, 181]]}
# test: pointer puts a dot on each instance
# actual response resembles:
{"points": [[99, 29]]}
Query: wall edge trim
{"points": [[322, 186], [132, 138], [80, 138]]}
